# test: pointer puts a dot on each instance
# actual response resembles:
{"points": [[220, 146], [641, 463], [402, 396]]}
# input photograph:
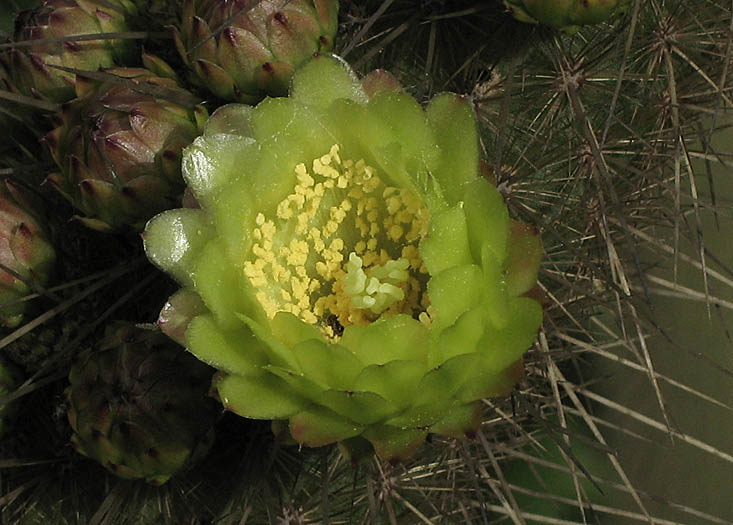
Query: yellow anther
{"points": [[356, 193], [389, 190], [330, 228], [404, 216], [393, 205], [372, 244], [359, 247], [334, 152], [373, 229], [424, 318], [342, 182], [257, 234], [260, 219], [268, 229], [395, 232], [336, 245]]}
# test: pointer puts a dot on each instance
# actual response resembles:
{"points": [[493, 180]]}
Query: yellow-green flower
{"points": [[358, 277]]}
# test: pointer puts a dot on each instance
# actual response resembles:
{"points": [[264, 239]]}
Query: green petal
{"points": [[396, 381], [221, 286], [300, 383], [323, 79], [174, 239], [363, 135], [234, 351], [395, 444], [452, 120], [453, 292], [422, 415], [303, 139], [443, 381], [290, 330], [365, 408], [279, 354], [406, 121], [495, 296], [316, 427], [487, 383], [488, 216], [462, 420], [396, 338], [211, 162], [234, 214], [232, 119], [502, 347], [446, 243], [523, 261], [460, 338], [330, 365], [259, 397]]}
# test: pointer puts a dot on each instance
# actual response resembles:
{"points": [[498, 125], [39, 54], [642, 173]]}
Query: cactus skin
{"points": [[139, 405], [25, 252], [257, 52]]}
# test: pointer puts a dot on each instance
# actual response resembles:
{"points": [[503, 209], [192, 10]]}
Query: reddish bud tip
{"points": [[24, 231], [230, 35], [280, 18], [170, 155], [87, 187]]}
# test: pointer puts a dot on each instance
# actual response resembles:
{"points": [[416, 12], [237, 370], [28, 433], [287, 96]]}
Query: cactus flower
{"points": [[567, 15], [358, 278]]}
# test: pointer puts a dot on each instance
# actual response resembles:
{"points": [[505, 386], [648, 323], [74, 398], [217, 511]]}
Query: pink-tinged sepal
{"points": [[178, 312], [523, 261]]}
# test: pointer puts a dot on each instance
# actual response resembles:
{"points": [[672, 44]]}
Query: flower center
{"points": [[341, 249]]}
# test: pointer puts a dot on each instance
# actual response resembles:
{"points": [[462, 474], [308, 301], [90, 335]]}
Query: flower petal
{"points": [[396, 381], [452, 120], [174, 239], [235, 351], [316, 427], [489, 219], [365, 408], [446, 243], [323, 79], [331, 365], [399, 337], [263, 396]]}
